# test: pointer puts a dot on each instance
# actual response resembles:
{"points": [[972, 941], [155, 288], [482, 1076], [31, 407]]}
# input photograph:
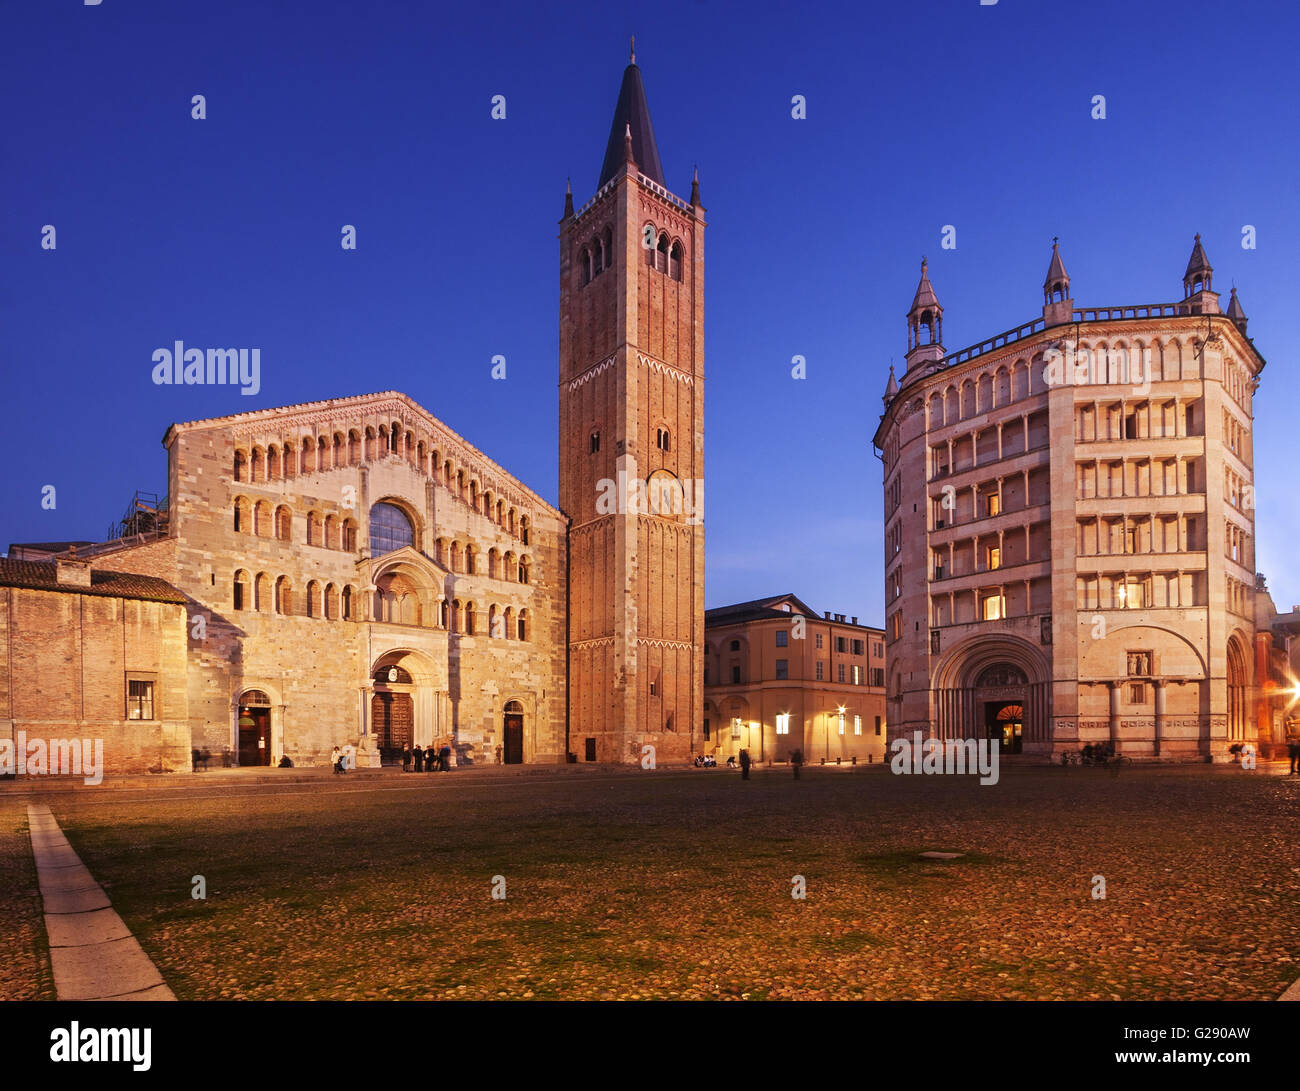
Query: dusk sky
{"points": [[225, 232]]}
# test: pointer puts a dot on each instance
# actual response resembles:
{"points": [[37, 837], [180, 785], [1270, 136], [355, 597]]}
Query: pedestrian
{"points": [[744, 765], [406, 758], [419, 759], [336, 760], [796, 760], [430, 759], [445, 757], [1293, 745]]}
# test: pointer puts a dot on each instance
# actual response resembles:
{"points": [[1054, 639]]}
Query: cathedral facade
{"points": [[1069, 510], [355, 574]]}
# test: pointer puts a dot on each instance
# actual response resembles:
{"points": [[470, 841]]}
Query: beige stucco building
{"points": [[779, 678], [1069, 526]]}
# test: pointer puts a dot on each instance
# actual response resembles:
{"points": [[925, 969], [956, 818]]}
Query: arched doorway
{"points": [[513, 728], [392, 712], [254, 724], [1005, 721], [1238, 686]]}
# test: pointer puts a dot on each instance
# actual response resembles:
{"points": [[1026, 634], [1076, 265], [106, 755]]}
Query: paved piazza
{"points": [[677, 883]]}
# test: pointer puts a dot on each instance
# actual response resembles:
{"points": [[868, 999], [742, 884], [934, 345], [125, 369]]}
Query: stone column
{"points": [[1114, 712], [1161, 716]]}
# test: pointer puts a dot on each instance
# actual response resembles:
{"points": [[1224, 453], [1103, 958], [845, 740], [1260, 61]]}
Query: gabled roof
{"points": [[632, 111], [756, 609], [43, 576]]}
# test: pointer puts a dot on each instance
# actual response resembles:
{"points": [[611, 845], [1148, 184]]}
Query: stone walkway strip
{"points": [[92, 952]]}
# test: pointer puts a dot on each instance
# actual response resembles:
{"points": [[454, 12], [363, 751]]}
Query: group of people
{"points": [[428, 760]]}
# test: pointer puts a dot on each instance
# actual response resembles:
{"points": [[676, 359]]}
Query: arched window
{"points": [[283, 596], [661, 254], [262, 519], [241, 515], [648, 244], [349, 536], [331, 603], [395, 438], [675, 261], [390, 529], [272, 463], [262, 592], [305, 461], [313, 529], [524, 569], [493, 621], [241, 466], [354, 447], [322, 453], [454, 627], [313, 603], [469, 559], [331, 537], [347, 603], [598, 258], [584, 267], [456, 554], [609, 247], [258, 465], [442, 613], [240, 590], [523, 624], [494, 564], [510, 522], [469, 619], [661, 439], [340, 451], [370, 443], [595, 442], [283, 523], [523, 529], [507, 628], [290, 461]]}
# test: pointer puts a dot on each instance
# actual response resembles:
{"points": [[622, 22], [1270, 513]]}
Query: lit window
{"points": [[857, 676], [735, 728], [992, 607], [993, 504], [139, 700], [783, 723], [857, 725], [995, 557], [841, 723]]}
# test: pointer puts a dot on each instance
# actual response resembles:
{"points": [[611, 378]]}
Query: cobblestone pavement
{"points": [[677, 883]]}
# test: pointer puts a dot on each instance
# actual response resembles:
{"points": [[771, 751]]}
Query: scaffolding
{"points": [[146, 516]]}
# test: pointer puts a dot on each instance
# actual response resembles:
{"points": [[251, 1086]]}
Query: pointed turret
{"points": [[1057, 304], [891, 387], [924, 323], [1196, 282], [1236, 313], [568, 200], [631, 126], [695, 188]]}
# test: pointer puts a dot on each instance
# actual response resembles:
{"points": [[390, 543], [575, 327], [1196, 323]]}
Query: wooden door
{"points": [[514, 748]]}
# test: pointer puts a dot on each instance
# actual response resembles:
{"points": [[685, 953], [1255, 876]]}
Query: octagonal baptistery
{"points": [[1069, 510], [365, 578]]}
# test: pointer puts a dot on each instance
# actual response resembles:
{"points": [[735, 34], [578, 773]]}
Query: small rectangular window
{"points": [[706, 729], [859, 647], [819, 640], [841, 644], [857, 675], [840, 672], [821, 671], [857, 725], [783, 668], [993, 504], [783, 723], [995, 557], [782, 636], [139, 700], [877, 725], [735, 675]]}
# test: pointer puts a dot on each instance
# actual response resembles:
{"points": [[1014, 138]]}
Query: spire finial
{"points": [[632, 51], [695, 186], [1055, 239]]}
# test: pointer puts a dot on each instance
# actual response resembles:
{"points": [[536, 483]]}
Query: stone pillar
{"points": [[1161, 717], [1114, 712]]}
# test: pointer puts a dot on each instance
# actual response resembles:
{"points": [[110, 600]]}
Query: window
{"points": [[877, 725], [706, 676], [782, 637], [735, 645], [653, 688], [857, 725], [783, 668], [859, 647], [241, 591], [840, 673], [595, 442], [991, 607], [390, 529], [840, 720], [661, 439], [675, 261], [706, 729], [857, 675], [993, 504], [139, 700], [735, 675], [783, 723], [877, 676], [1137, 693], [841, 645], [995, 557], [819, 640]]}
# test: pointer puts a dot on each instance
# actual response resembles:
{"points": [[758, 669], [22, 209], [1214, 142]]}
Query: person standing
{"points": [[1293, 745], [796, 761], [444, 756], [406, 759], [744, 765], [430, 759], [419, 760], [336, 760]]}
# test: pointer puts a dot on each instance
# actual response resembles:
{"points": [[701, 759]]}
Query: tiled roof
{"points": [[43, 576]]}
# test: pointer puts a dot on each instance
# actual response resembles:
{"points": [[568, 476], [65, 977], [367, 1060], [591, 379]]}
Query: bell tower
{"points": [[631, 469]]}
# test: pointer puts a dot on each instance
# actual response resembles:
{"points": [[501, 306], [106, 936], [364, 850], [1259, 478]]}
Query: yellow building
{"points": [[779, 678]]}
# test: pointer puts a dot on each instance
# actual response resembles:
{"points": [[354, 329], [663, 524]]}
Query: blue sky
{"points": [[226, 231]]}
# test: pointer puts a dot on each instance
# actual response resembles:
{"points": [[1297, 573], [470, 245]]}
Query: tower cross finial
{"points": [[632, 51]]}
